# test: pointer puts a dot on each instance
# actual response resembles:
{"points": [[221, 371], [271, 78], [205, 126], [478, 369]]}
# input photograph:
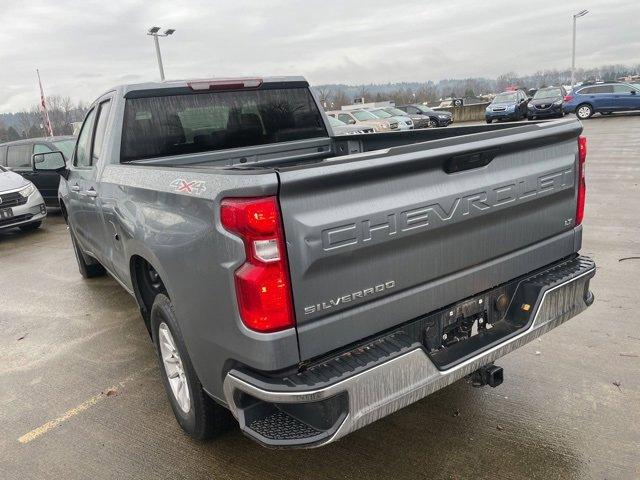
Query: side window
{"points": [[586, 91], [3, 156], [622, 89], [83, 147], [603, 89], [413, 110], [101, 126], [19, 156], [344, 117], [41, 148]]}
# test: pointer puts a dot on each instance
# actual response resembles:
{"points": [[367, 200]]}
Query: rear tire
{"points": [[87, 266], [198, 414], [30, 227], [584, 111]]}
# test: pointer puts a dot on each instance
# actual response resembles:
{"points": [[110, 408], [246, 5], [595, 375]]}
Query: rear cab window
{"points": [[193, 122]]}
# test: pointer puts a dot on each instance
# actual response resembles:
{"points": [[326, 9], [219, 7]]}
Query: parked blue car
{"points": [[604, 98], [507, 106]]}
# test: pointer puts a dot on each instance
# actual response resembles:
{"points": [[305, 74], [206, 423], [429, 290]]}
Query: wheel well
{"points": [[146, 285]]}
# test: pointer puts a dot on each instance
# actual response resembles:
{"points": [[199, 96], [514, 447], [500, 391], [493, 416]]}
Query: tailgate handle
{"points": [[469, 161]]}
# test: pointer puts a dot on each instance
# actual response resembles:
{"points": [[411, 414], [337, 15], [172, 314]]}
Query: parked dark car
{"points": [[437, 118], [511, 105], [547, 102], [604, 98], [16, 156]]}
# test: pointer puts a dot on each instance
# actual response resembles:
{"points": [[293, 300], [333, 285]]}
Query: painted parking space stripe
{"points": [[72, 412]]}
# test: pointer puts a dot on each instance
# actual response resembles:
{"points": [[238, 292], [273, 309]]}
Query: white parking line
{"points": [[72, 412]]}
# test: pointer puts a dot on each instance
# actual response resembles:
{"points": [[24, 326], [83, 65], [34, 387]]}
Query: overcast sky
{"points": [[84, 47]]}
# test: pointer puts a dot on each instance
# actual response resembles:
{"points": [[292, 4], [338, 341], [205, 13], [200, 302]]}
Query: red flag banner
{"points": [[46, 123]]}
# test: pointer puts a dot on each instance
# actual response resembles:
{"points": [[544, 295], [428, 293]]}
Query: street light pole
{"points": [[161, 68], [573, 54], [153, 31]]}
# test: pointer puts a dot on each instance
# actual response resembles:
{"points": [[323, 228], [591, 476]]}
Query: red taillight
{"points": [[568, 98], [262, 283], [582, 184]]}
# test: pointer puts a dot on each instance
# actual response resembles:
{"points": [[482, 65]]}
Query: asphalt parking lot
{"points": [[81, 397]]}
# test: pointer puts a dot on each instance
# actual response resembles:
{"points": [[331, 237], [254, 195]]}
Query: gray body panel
{"points": [[137, 212]]}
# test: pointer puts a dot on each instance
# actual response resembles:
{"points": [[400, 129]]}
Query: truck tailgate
{"points": [[379, 238]]}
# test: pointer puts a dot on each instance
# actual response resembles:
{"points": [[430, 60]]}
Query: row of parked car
{"points": [[585, 100], [385, 119]]}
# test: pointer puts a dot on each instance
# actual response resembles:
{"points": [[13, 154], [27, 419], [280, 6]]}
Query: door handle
{"points": [[91, 193], [75, 188]]}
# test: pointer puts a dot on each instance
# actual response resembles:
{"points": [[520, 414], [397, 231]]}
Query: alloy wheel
{"points": [[173, 368], [584, 112]]}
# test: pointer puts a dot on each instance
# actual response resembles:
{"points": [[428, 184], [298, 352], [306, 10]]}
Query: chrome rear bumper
{"points": [[405, 377]]}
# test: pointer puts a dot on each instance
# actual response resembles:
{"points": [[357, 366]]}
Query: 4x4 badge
{"points": [[194, 186]]}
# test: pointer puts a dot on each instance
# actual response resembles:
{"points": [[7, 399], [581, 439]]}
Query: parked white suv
{"points": [[21, 204]]}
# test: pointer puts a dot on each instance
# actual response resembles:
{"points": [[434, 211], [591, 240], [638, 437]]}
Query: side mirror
{"points": [[50, 162], [352, 121], [634, 92]]}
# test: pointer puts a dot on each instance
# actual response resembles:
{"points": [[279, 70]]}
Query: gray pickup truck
{"points": [[311, 284]]}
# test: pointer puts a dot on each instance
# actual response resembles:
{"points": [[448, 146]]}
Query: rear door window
{"points": [[603, 89], [19, 156], [622, 89], [200, 122], [101, 126], [83, 148]]}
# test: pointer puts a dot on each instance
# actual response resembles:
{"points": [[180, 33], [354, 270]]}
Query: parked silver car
{"points": [[21, 205], [404, 122], [341, 128], [364, 118]]}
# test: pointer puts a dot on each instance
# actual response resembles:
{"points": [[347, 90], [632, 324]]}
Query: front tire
{"points": [[197, 413], [584, 111], [30, 227], [489, 120], [87, 266]]}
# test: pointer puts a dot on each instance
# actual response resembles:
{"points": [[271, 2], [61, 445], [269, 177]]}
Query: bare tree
{"points": [[363, 93], [340, 99], [25, 121], [324, 95]]}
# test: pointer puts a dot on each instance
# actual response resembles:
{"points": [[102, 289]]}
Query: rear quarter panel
{"points": [[179, 233]]}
